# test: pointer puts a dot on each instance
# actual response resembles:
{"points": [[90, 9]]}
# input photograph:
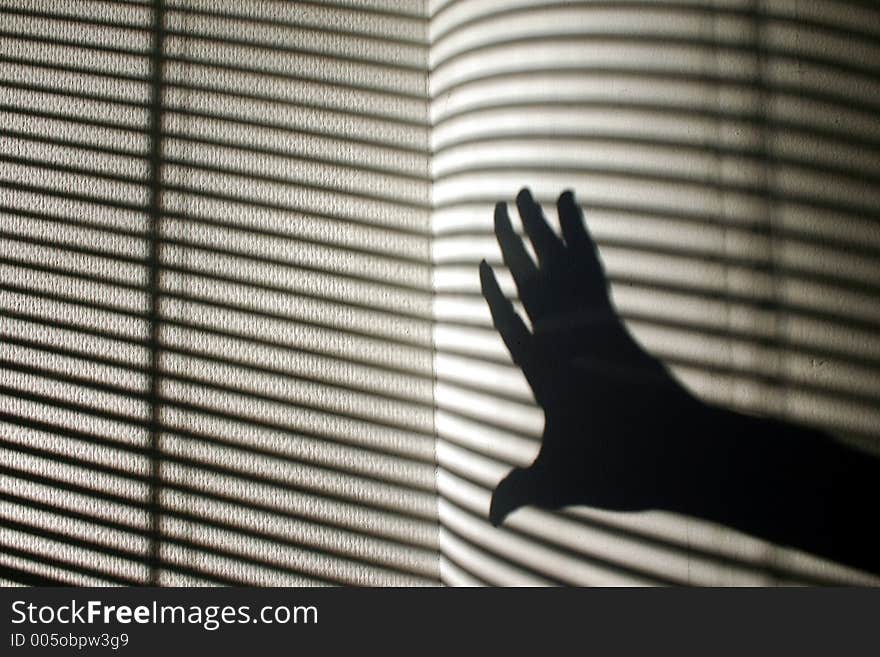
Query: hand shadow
{"points": [[621, 433]]}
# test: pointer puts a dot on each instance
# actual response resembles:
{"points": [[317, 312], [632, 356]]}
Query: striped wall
{"points": [[242, 338], [216, 301], [726, 158]]}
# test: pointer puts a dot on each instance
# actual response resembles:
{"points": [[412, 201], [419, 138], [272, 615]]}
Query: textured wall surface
{"points": [[296, 292], [74, 300], [289, 401], [726, 156]]}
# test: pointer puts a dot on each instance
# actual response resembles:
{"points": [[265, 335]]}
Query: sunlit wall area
{"points": [[727, 158]]}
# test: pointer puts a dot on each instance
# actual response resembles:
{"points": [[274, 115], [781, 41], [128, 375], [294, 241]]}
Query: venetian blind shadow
{"points": [[215, 364]]}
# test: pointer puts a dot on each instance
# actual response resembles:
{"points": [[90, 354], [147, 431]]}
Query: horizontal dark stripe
{"points": [[709, 295], [146, 479], [135, 423], [302, 183], [283, 267], [123, 294], [682, 548], [60, 15], [618, 569], [330, 57], [374, 113], [106, 257], [254, 44], [290, 126], [397, 538], [121, 342], [181, 189], [294, 207], [782, 271], [134, 396], [68, 118], [462, 567], [121, 309], [845, 102], [758, 154], [241, 148], [757, 225], [58, 68], [83, 172], [349, 87], [52, 480], [20, 576], [755, 119], [67, 248], [210, 250], [414, 343], [134, 236], [115, 103], [100, 574], [347, 557], [485, 549], [345, 525], [256, 312], [413, 373], [207, 357], [335, 31], [762, 192], [45, 40], [66, 565], [752, 46], [294, 239], [353, 7], [114, 151], [854, 174], [633, 7], [74, 542]]}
